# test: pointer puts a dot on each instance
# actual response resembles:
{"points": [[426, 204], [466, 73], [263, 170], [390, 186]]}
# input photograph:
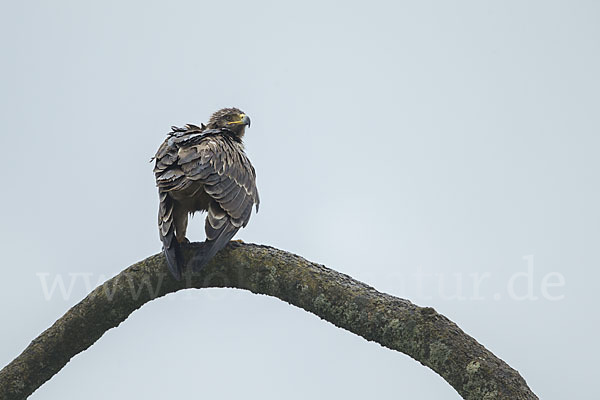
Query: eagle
{"points": [[204, 168]]}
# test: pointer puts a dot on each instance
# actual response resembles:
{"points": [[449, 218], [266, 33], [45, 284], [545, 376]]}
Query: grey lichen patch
{"points": [[392, 334], [269, 280], [473, 367], [438, 353], [481, 383], [19, 384], [321, 304], [493, 395], [353, 313], [402, 334], [393, 325]]}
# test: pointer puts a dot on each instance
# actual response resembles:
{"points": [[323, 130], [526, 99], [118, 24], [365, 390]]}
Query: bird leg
{"points": [[180, 218]]}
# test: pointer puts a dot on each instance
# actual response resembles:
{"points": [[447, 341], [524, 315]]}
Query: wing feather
{"points": [[216, 161]]}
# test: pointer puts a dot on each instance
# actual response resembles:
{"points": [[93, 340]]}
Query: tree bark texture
{"points": [[419, 332]]}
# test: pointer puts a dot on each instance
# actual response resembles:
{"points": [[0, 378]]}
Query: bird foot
{"points": [[236, 243]]}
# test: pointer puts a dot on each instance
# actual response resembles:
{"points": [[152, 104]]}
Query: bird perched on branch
{"points": [[204, 168]]}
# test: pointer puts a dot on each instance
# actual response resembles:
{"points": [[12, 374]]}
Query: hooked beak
{"points": [[245, 120]]}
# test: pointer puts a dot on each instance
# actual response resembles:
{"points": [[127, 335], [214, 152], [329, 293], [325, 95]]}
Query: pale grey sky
{"points": [[417, 146]]}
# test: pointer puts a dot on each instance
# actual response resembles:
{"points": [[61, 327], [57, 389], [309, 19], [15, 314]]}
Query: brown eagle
{"points": [[204, 168]]}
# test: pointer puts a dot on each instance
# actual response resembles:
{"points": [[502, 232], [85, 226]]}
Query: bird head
{"points": [[230, 118]]}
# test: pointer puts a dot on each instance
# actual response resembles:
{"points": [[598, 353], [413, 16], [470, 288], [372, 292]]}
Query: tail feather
{"points": [[212, 246], [166, 229], [174, 257]]}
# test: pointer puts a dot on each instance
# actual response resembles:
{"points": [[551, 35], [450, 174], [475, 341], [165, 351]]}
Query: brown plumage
{"points": [[204, 169]]}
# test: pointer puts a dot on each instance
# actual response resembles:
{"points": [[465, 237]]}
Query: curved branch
{"points": [[421, 333]]}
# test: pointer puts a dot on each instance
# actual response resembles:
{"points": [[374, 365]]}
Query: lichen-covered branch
{"points": [[421, 333]]}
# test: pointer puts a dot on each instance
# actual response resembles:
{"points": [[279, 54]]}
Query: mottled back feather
{"points": [[200, 169]]}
